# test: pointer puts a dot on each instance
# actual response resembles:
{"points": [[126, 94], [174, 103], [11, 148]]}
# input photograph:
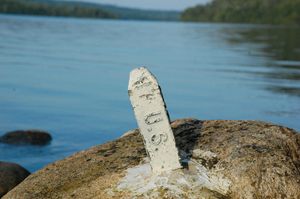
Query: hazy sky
{"points": [[152, 4]]}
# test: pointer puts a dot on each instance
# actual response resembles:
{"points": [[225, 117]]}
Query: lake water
{"points": [[69, 77]]}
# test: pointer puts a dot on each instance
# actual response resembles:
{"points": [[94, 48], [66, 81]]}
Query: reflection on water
{"points": [[69, 77], [282, 46]]}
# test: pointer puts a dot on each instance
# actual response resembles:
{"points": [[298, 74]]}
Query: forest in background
{"points": [[246, 11], [82, 9], [232, 11], [44, 8]]}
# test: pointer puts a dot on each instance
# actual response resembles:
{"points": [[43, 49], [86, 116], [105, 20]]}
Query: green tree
{"points": [[51, 9], [246, 11]]}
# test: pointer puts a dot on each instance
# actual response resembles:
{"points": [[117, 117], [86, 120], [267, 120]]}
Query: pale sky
{"points": [[153, 4]]}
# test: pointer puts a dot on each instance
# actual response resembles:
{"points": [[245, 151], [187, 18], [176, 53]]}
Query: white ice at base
{"points": [[140, 181]]}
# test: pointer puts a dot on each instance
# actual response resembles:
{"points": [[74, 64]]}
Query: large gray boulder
{"points": [[26, 137], [221, 159], [11, 174]]}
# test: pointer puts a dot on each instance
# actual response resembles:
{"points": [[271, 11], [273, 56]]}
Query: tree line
{"points": [[246, 11], [82, 9], [51, 9]]}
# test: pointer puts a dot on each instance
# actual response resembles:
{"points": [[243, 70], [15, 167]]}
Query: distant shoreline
{"points": [[281, 12], [83, 10], [284, 12], [49, 9]]}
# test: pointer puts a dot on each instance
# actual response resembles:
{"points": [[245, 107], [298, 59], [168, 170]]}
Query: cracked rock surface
{"points": [[221, 159]]}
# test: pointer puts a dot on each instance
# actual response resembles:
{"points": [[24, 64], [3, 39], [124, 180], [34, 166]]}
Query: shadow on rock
{"points": [[225, 159], [11, 175]]}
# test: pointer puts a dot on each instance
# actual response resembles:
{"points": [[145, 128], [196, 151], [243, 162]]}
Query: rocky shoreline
{"points": [[221, 159]]}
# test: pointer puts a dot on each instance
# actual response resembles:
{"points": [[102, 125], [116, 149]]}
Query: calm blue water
{"points": [[69, 77]]}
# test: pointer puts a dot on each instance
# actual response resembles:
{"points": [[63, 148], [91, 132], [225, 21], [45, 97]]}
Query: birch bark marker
{"points": [[153, 120]]}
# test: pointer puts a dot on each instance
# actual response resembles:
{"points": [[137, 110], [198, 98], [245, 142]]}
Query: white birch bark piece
{"points": [[153, 120]]}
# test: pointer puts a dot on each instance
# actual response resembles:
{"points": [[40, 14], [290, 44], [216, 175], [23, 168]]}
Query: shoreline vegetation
{"points": [[82, 9], [286, 12], [28, 7]]}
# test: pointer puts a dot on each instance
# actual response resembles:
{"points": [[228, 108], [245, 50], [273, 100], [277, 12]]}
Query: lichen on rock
{"points": [[221, 159]]}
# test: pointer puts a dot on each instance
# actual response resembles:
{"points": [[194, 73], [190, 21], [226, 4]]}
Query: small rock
{"points": [[11, 175], [24, 137], [206, 158]]}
